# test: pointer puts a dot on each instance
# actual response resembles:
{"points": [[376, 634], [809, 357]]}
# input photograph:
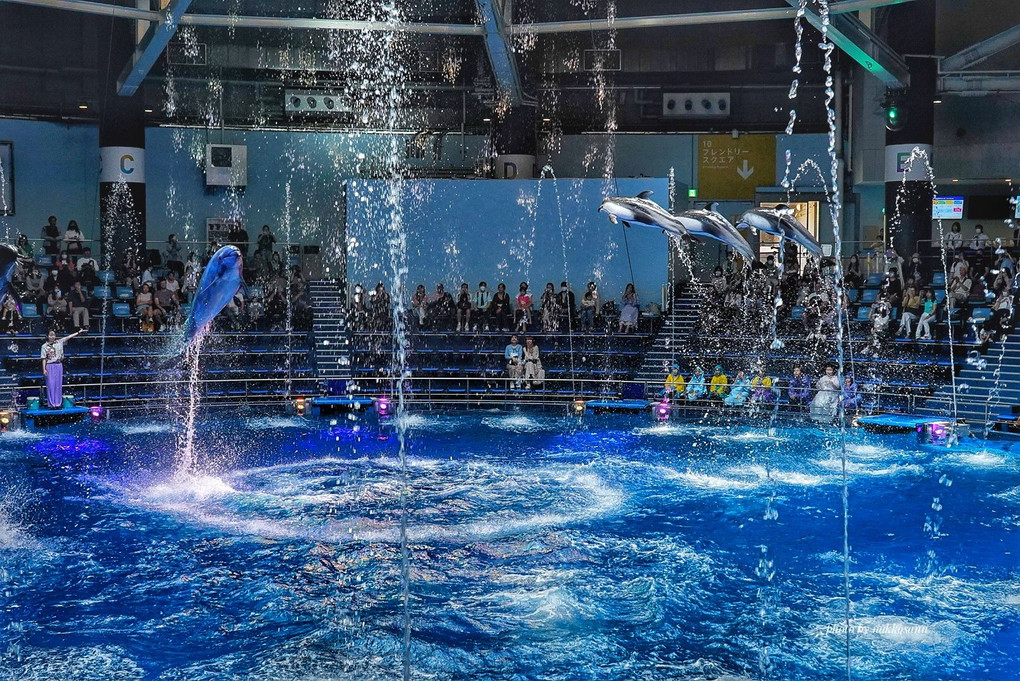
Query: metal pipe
{"points": [[310, 23], [692, 19], [87, 7]]}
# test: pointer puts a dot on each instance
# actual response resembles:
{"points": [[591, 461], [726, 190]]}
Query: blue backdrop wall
{"points": [[536, 231]]}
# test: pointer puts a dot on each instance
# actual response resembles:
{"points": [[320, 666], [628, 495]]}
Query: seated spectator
{"points": [[733, 303], [464, 308], [514, 355], [739, 392], [299, 297], [168, 307], [567, 308], [881, 314], [10, 316], [238, 236], [148, 277], [172, 284], [419, 305], [852, 274], [359, 305], [719, 384], [892, 287], [912, 309], [65, 276], [589, 306], [550, 306], [26, 254], [1002, 311], [522, 310], [481, 301], [929, 307], [697, 387], [799, 388], [675, 385], [719, 284], [499, 309], [189, 283], [826, 400], [34, 292], [74, 240], [78, 302], [916, 270], [266, 240], [959, 291], [51, 236], [533, 371], [58, 309], [761, 388], [850, 397], [630, 310], [145, 308], [88, 268], [959, 266], [442, 310], [234, 312], [382, 315]]}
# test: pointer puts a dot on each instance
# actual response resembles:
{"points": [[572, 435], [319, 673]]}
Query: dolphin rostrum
{"points": [[695, 223], [8, 265], [781, 222], [220, 281]]}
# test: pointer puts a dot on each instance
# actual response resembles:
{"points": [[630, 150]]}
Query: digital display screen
{"points": [[947, 208]]}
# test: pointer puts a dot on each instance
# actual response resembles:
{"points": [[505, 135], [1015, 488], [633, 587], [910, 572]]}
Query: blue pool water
{"points": [[541, 547]]}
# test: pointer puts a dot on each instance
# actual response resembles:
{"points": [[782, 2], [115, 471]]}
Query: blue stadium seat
{"points": [[874, 280], [869, 296], [29, 311], [852, 295], [797, 313], [864, 313], [105, 276], [125, 293], [122, 311], [102, 292], [938, 279]]}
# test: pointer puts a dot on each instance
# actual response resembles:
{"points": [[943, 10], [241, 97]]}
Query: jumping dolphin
{"points": [[220, 281], [8, 265], [696, 223], [781, 222]]}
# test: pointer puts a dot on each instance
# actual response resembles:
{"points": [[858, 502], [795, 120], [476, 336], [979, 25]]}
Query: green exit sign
{"points": [[692, 193]]}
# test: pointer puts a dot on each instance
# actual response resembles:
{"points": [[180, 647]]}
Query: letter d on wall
{"points": [[122, 164], [515, 166]]}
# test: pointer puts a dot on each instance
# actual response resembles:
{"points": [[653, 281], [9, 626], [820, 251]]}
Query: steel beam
{"points": [[504, 67], [974, 84], [977, 53], [87, 7], [152, 44], [856, 40]]}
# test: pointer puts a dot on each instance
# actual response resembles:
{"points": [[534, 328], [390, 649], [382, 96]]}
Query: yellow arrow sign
{"points": [[733, 168]]}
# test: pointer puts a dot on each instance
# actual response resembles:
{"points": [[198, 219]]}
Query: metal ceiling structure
{"points": [[150, 47], [501, 58], [977, 53]]}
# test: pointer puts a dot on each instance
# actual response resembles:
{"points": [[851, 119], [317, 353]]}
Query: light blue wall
{"points": [[506, 231], [56, 171]]}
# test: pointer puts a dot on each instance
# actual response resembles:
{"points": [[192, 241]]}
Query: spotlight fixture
{"points": [[895, 108], [96, 412], [486, 120], [83, 106], [300, 406], [661, 410], [5, 420], [383, 406], [577, 407]]}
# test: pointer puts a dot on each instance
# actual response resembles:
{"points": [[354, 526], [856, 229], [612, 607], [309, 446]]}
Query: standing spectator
{"points": [[928, 312], [799, 388], [852, 274], [533, 371], [568, 309], [589, 306], [719, 284], [173, 255], [51, 236], [630, 310], [464, 308], [65, 276], [979, 242], [382, 317], [954, 238], [74, 240], [823, 406], [88, 268], [266, 239], [359, 304], [514, 355], [522, 313], [238, 236], [550, 306], [916, 270], [78, 300], [499, 309], [52, 356], [481, 304]]}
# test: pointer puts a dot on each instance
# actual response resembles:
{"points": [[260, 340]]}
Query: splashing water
{"points": [[187, 462]]}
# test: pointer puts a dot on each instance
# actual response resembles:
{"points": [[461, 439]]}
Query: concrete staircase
{"points": [[672, 341], [975, 382], [331, 337]]}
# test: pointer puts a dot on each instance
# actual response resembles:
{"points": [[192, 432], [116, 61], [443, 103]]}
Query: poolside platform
{"points": [[332, 405], [619, 405], [41, 417], [897, 423]]}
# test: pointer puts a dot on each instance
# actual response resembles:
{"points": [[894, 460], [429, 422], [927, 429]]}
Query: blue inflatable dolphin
{"points": [[8, 264], [220, 281]]}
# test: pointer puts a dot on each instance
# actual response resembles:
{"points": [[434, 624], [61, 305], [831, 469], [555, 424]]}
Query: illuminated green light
{"points": [[692, 193]]}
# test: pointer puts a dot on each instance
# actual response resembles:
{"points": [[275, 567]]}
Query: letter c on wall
{"points": [[124, 161]]}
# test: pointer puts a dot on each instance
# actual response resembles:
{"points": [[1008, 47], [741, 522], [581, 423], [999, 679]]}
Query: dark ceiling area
{"points": [[54, 63]]}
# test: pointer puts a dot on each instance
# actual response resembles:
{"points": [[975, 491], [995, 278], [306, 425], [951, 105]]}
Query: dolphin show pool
{"points": [[538, 546]]}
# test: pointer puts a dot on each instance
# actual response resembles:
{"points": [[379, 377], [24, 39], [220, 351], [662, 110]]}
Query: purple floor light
{"points": [[96, 411], [383, 406], [661, 410]]}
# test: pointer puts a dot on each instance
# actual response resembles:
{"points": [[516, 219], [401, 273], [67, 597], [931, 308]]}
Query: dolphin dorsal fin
{"points": [[714, 206], [783, 208], [645, 194]]}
